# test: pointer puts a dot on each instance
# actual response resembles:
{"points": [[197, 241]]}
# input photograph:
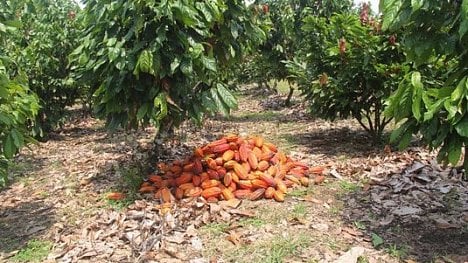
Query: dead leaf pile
{"points": [[423, 190]]}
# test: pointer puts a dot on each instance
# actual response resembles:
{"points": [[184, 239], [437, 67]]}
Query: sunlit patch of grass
{"points": [[34, 251], [275, 249], [255, 222], [214, 229], [300, 192], [349, 187], [258, 116], [299, 210]]}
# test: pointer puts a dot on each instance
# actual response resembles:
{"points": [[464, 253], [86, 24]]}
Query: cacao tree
{"points": [[432, 105], [18, 105], [161, 62], [285, 38], [49, 33], [348, 68]]}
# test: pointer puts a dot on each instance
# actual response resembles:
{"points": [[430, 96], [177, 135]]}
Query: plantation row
{"points": [[139, 63]]}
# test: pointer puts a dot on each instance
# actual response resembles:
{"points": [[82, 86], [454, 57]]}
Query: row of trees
{"points": [[162, 62], [408, 66]]}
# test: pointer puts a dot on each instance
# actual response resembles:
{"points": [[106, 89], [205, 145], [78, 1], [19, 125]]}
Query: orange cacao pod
{"points": [[240, 171], [242, 193], [221, 148], [179, 193], [209, 183], [227, 180], [193, 192], [228, 155], [115, 196], [211, 192], [183, 178], [304, 181], [278, 196], [269, 192], [227, 194], [147, 189], [268, 179], [253, 161], [263, 166], [257, 194], [257, 183], [196, 180], [245, 184]]}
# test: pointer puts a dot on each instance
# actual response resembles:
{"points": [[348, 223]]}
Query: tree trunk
{"points": [[465, 164], [290, 94]]}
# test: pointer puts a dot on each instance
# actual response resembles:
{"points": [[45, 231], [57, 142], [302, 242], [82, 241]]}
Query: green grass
{"points": [[349, 187], [273, 250], [398, 252], [258, 116], [299, 210], [300, 192], [255, 222], [214, 229], [35, 251]]}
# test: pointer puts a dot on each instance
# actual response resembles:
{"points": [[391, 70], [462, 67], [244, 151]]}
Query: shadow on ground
{"points": [[350, 142], [24, 222], [425, 221]]}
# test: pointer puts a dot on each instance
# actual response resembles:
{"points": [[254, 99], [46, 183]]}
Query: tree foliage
{"points": [[162, 61], [434, 105], [285, 39], [48, 33], [18, 106], [348, 68]]}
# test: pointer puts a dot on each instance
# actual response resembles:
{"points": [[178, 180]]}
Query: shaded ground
{"points": [[60, 184]]}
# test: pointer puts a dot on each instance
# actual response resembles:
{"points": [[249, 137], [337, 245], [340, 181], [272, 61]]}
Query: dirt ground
{"points": [[375, 205]]}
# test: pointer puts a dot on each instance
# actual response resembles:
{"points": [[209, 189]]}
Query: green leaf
{"points": [[464, 19], [209, 63], [376, 240], [416, 4], [454, 150], [9, 148], [142, 111], [391, 9], [160, 102], [144, 63], [220, 106], [462, 126], [18, 138], [417, 95], [459, 91], [226, 96]]}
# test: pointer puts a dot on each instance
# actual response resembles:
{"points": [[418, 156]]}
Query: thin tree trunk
{"points": [[465, 164], [290, 94]]}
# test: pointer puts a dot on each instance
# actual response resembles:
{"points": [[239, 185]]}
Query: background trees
{"points": [[18, 105], [432, 98], [347, 68], [48, 33]]}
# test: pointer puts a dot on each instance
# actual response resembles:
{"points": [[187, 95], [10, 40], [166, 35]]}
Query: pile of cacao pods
{"points": [[228, 168]]}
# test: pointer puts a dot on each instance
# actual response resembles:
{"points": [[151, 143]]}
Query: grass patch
{"points": [[349, 187], [300, 192], [35, 251], [273, 250], [299, 210], [398, 252], [255, 222], [214, 229], [258, 116]]}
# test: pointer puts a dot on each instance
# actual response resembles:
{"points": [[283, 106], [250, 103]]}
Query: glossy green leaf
{"points": [[462, 127]]}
